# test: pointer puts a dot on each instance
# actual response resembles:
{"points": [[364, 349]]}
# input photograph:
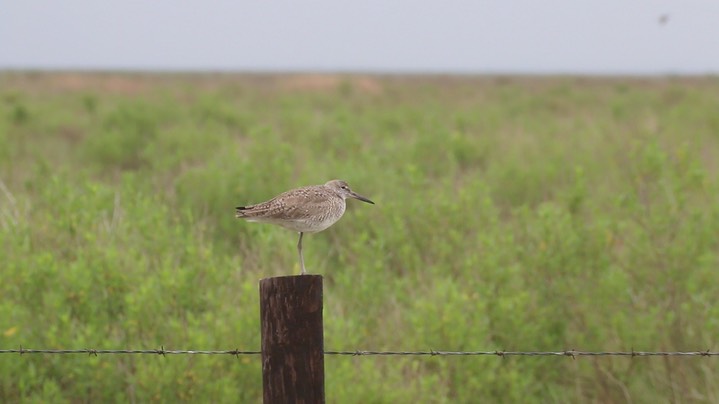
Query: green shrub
{"points": [[512, 214]]}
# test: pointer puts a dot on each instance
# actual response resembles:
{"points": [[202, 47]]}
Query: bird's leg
{"points": [[302, 259]]}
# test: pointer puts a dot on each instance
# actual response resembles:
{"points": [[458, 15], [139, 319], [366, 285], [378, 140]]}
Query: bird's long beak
{"points": [[360, 197]]}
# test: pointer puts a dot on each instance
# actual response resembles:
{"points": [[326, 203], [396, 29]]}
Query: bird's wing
{"points": [[292, 205]]}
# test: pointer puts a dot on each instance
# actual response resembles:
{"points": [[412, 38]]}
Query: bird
{"points": [[309, 209]]}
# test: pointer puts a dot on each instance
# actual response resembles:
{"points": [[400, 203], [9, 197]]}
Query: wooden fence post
{"points": [[293, 367]]}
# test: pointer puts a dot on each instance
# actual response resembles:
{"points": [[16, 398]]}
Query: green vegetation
{"points": [[512, 214]]}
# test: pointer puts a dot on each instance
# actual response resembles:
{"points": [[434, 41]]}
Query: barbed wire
{"points": [[161, 351], [236, 352], [570, 353]]}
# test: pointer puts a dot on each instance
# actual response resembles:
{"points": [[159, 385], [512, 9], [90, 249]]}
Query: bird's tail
{"points": [[241, 211]]}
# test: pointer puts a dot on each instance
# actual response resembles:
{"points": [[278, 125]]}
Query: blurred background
{"points": [[545, 178], [525, 37]]}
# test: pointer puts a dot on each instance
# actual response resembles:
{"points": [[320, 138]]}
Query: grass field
{"points": [[512, 214]]}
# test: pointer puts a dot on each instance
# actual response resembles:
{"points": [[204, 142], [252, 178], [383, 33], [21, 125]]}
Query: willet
{"points": [[304, 210]]}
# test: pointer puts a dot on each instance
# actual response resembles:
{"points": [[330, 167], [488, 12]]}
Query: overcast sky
{"points": [[515, 36]]}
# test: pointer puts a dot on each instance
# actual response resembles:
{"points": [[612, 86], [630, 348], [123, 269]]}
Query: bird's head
{"points": [[343, 189]]}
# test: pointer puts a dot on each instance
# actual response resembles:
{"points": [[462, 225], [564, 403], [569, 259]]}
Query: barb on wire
{"points": [[236, 352]]}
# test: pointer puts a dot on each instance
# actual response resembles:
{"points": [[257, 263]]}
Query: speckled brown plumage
{"points": [[304, 210]]}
